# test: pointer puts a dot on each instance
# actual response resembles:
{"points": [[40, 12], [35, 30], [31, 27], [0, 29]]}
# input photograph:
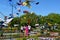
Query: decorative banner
{"points": [[25, 3], [17, 13], [25, 11], [19, 0], [10, 0], [37, 3], [19, 4]]}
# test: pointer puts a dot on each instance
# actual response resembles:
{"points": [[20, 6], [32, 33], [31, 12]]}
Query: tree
{"points": [[54, 18], [14, 21], [29, 18]]}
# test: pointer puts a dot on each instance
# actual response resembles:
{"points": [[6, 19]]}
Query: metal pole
{"points": [[12, 9], [11, 27]]}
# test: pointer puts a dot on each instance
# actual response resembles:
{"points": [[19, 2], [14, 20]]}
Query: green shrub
{"points": [[24, 38]]}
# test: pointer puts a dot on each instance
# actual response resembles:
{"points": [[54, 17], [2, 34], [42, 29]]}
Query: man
{"points": [[22, 29], [29, 27]]}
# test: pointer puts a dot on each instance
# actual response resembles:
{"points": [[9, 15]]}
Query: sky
{"points": [[43, 8]]}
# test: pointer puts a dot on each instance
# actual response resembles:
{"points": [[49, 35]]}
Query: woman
{"points": [[26, 30]]}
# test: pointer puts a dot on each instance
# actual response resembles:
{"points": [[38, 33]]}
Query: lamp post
{"points": [[12, 9], [12, 16]]}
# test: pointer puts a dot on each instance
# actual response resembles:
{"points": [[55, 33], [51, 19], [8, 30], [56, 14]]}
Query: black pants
{"points": [[22, 31]]}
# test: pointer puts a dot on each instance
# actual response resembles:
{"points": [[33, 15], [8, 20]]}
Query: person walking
{"points": [[22, 29], [29, 27], [26, 31]]}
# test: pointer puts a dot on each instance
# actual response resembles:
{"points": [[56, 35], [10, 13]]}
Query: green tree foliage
{"points": [[30, 18], [54, 18], [14, 21]]}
